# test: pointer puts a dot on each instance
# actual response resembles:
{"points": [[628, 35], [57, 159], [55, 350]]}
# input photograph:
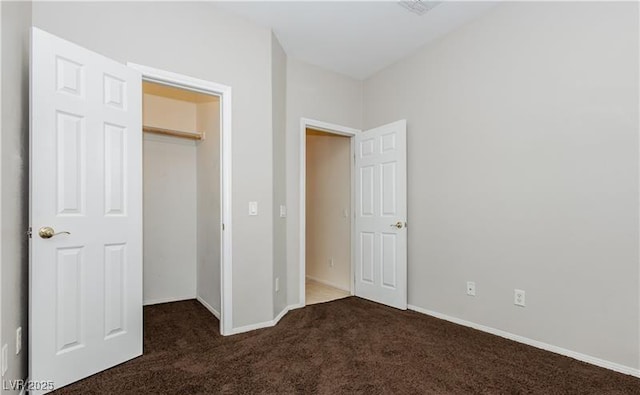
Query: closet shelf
{"points": [[175, 133]]}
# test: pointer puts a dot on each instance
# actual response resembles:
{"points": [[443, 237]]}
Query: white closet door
{"points": [[86, 179]]}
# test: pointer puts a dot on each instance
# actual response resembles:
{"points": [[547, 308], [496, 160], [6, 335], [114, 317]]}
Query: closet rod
{"points": [[175, 133]]}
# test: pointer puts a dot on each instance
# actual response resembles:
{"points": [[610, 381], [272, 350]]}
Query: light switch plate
{"points": [[283, 211], [253, 208]]}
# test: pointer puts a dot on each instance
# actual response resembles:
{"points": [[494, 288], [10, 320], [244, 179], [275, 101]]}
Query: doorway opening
{"points": [[186, 192], [326, 215], [328, 225], [181, 196]]}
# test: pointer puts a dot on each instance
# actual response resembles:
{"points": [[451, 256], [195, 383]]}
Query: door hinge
{"points": [[222, 226], [29, 232]]}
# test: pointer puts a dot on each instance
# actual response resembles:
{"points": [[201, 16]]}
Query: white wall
{"points": [[15, 25], [208, 204], [328, 199], [523, 172], [279, 120], [200, 40], [324, 96], [170, 225]]}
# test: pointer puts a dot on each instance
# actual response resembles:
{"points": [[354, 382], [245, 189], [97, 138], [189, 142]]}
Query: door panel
{"points": [[366, 191], [70, 169], [69, 311], [381, 212], [114, 288], [86, 179]]}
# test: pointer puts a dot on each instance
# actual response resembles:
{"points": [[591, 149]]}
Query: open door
{"points": [[86, 212], [381, 213]]}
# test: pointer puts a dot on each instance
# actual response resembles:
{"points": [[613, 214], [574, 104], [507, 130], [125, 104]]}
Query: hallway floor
{"points": [[319, 293]]}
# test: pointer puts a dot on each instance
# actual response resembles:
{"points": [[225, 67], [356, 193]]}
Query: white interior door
{"points": [[381, 214], [86, 179]]}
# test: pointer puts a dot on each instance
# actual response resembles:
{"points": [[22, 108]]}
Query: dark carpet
{"points": [[345, 346]]}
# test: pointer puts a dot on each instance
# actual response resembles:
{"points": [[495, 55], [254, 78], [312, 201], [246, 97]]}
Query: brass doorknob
{"points": [[398, 225], [47, 232]]}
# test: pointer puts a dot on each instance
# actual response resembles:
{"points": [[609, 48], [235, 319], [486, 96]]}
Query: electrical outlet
{"points": [[277, 284], [5, 359], [471, 288], [18, 340], [331, 262], [283, 211], [518, 297]]}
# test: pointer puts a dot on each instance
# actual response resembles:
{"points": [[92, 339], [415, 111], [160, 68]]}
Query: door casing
{"points": [[306, 123], [163, 77]]}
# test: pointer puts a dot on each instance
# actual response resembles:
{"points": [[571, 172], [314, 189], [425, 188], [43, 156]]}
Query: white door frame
{"points": [[333, 129], [1, 232], [224, 93]]}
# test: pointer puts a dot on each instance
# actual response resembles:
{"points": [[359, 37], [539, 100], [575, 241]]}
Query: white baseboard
{"points": [[252, 327], [150, 302], [329, 283], [534, 343], [295, 306], [265, 324], [279, 316], [208, 307]]}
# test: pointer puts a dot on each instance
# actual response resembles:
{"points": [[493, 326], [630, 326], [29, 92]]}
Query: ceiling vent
{"points": [[418, 7]]}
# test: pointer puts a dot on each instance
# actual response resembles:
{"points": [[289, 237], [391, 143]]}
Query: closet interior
{"points": [[181, 196]]}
